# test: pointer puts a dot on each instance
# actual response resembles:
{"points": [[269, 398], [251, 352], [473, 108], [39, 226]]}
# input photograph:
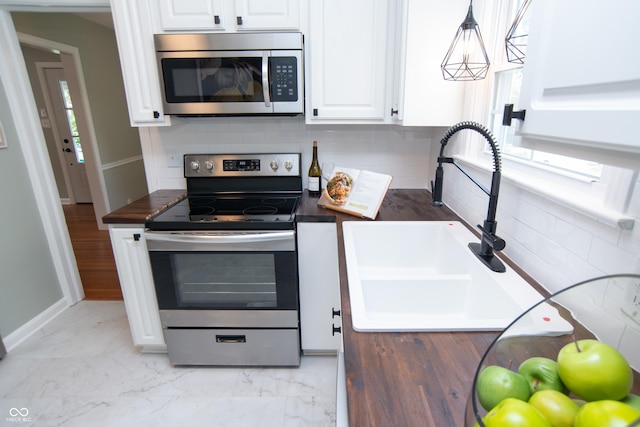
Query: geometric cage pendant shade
{"points": [[516, 39], [466, 58]]}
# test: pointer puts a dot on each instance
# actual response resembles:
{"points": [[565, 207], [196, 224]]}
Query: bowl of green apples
{"points": [[587, 375]]}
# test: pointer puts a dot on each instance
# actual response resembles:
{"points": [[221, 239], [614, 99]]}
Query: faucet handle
{"points": [[496, 243]]}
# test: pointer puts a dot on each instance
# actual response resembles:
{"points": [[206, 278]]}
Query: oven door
{"points": [[232, 270]]}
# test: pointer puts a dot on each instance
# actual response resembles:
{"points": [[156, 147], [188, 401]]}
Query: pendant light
{"points": [[467, 58], [516, 39]]}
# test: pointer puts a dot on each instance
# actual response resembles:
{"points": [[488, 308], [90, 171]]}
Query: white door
{"points": [[67, 130]]}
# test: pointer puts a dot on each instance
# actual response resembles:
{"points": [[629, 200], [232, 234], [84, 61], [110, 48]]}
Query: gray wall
{"points": [[28, 280], [116, 139]]}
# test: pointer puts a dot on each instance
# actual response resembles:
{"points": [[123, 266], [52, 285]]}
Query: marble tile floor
{"points": [[83, 370]]}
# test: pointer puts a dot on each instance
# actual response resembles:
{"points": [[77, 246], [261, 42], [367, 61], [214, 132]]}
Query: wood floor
{"points": [[94, 256]]}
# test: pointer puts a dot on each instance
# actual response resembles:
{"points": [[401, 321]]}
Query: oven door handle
{"points": [[220, 238]]}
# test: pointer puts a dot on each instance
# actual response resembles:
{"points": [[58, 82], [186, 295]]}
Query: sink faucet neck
{"points": [[489, 241]]}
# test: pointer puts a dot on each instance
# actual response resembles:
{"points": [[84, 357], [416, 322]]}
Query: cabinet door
{"points": [[581, 84], [134, 35], [266, 15], [423, 97], [193, 15], [319, 287], [348, 49], [134, 272]]}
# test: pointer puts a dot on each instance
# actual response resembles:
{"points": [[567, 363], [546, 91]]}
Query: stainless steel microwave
{"points": [[231, 73]]}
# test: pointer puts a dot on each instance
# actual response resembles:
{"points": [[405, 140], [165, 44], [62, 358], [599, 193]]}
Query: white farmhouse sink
{"points": [[421, 276]]}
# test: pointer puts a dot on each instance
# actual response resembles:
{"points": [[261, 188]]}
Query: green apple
{"points": [[606, 413], [515, 413], [556, 407], [496, 383], [542, 374], [594, 370], [632, 400]]}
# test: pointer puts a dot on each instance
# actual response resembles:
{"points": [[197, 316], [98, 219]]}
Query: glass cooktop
{"points": [[238, 211]]}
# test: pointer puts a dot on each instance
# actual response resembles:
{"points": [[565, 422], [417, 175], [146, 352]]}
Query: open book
{"points": [[355, 192]]}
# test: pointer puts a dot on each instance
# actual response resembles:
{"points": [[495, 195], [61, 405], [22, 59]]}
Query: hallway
{"points": [[92, 248]]}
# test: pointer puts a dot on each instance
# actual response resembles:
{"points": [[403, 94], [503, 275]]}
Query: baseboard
{"points": [[65, 200], [25, 331]]}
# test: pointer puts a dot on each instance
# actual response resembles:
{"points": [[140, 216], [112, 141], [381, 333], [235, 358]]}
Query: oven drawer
{"points": [[238, 347]]}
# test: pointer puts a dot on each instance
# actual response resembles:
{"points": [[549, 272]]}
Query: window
{"points": [[507, 83]]}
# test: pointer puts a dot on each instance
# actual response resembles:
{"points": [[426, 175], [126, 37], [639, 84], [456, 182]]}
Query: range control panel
{"points": [[234, 165]]}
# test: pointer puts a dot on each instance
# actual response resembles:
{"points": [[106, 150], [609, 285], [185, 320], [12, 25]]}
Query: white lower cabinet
{"points": [[136, 281], [319, 276]]}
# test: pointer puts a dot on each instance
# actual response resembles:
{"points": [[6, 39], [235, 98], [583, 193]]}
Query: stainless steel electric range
{"points": [[224, 262]]}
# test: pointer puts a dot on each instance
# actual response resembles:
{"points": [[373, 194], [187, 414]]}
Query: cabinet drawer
{"points": [[239, 347]]}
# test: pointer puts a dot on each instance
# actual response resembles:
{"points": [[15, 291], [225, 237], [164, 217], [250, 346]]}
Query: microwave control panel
{"points": [[284, 83]]}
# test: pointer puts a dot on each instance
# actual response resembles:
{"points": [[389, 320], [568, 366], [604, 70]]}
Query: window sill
{"points": [[599, 213]]}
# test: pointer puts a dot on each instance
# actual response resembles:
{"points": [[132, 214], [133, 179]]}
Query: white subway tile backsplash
{"points": [[403, 153], [576, 240], [578, 269], [605, 255]]}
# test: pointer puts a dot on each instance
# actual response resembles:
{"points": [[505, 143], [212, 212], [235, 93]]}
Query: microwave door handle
{"points": [[225, 238], [265, 79]]}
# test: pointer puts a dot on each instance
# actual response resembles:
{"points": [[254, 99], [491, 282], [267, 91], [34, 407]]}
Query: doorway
{"points": [[73, 153], [62, 119]]}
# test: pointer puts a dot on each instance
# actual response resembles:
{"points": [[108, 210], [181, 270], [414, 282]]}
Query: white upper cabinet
{"points": [[134, 35], [422, 97], [229, 15], [581, 85], [272, 14], [193, 14], [348, 61]]}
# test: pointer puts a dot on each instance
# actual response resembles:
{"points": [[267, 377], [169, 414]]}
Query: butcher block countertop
{"points": [[147, 207], [395, 378]]}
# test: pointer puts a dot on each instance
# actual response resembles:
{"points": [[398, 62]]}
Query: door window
{"points": [[71, 119]]}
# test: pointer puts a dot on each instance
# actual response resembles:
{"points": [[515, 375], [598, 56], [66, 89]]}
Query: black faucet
{"points": [[489, 241]]}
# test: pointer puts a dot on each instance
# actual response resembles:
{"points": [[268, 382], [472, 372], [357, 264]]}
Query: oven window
{"points": [[229, 79], [225, 280], [247, 280]]}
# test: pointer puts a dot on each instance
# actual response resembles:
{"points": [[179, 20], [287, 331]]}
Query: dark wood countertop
{"points": [[405, 378], [142, 209]]}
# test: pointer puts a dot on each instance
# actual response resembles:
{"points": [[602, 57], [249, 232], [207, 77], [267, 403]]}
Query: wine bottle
{"points": [[315, 173]]}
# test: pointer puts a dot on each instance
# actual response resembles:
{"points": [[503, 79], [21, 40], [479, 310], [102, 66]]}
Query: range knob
{"points": [[274, 165], [288, 165], [208, 165], [195, 165]]}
